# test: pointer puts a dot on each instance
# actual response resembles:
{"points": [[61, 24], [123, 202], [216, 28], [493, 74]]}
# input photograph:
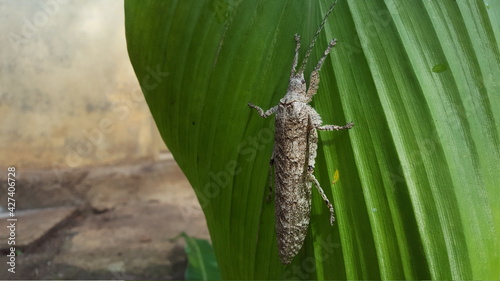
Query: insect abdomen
{"points": [[293, 192]]}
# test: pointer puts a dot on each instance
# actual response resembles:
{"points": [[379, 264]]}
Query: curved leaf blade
{"points": [[416, 196]]}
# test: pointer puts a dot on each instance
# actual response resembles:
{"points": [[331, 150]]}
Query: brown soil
{"points": [[123, 226]]}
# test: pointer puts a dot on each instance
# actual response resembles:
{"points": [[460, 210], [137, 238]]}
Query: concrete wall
{"points": [[68, 94]]}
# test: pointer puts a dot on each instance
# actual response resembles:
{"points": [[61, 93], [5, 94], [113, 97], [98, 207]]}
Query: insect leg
{"points": [[314, 81], [296, 57], [320, 190], [312, 141], [261, 111], [327, 51], [335, 127]]}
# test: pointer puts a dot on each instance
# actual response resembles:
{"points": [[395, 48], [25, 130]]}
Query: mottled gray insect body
{"points": [[294, 153]]}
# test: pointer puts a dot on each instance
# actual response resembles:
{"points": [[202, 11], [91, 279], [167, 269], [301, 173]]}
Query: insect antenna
{"points": [[304, 62]]}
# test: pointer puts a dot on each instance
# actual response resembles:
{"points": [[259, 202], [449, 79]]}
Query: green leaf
{"points": [[201, 260], [417, 194]]}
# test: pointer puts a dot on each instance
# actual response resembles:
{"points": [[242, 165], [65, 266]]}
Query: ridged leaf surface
{"points": [[415, 184]]}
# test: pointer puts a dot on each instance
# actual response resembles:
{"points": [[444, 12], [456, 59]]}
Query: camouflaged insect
{"points": [[296, 141]]}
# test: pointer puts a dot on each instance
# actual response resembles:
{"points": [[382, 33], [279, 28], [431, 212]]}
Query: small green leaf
{"points": [[202, 264]]}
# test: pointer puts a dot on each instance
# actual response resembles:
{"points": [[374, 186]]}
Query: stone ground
{"points": [[113, 222]]}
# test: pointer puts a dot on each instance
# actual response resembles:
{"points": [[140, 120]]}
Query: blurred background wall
{"points": [[93, 201], [68, 94]]}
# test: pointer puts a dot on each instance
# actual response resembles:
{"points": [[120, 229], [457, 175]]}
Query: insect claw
{"points": [[332, 219]]}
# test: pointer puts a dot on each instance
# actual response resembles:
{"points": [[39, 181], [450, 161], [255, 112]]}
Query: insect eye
{"points": [[303, 81]]}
